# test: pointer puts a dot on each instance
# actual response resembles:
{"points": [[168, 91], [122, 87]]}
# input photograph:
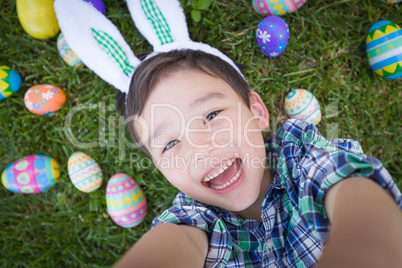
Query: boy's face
{"points": [[205, 140]]}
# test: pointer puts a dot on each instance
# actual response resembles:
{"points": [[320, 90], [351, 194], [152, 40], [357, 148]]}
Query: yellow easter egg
{"points": [[38, 18]]}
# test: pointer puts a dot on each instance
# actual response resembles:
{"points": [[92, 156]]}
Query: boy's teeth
{"points": [[232, 180], [222, 169]]}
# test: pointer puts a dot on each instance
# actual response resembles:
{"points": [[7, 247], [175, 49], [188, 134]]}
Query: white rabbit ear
{"points": [[159, 21], [97, 42]]}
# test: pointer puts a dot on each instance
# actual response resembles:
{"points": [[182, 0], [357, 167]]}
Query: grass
{"points": [[64, 227]]}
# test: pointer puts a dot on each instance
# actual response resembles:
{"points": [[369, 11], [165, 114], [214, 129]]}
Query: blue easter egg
{"points": [[384, 49], [10, 81]]}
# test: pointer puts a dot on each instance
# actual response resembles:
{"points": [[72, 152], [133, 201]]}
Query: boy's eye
{"points": [[170, 144], [211, 116]]}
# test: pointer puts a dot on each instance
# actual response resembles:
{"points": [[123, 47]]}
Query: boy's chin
{"points": [[241, 205]]}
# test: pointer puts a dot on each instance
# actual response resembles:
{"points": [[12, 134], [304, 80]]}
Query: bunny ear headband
{"points": [[99, 44]]}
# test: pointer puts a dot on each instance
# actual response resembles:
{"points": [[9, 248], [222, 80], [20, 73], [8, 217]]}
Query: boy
{"points": [[244, 202]]}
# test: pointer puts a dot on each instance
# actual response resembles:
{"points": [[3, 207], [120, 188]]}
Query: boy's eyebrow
{"points": [[206, 98], [159, 129]]}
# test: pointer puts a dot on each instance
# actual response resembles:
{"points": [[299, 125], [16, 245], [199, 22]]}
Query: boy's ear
{"points": [[259, 110]]}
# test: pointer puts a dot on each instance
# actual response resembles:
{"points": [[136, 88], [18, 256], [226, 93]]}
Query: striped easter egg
{"points": [[30, 175], [84, 172], [66, 53], [125, 200], [277, 7], [384, 49], [303, 105], [391, 1]]}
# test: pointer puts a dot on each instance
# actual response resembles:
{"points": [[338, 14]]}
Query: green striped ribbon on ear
{"points": [[114, 50], [153, 14]]}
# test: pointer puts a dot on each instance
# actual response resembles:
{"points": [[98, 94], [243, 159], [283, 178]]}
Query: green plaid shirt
{"points": [[295, 225]]}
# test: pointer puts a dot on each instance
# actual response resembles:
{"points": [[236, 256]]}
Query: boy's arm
{"points": [[366, 226], [168, 245]]}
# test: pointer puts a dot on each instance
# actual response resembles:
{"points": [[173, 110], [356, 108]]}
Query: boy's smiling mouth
{"points": [[225, 176]]}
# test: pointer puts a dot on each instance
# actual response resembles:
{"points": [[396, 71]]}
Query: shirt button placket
{"points": [[269, 244]]}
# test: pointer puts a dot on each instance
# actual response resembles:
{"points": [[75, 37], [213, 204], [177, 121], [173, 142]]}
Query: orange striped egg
{"points": [[44, 99], [84, 172], [125, 200]]}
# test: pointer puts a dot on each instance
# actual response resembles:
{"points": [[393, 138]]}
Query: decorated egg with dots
{"points": [[10, 81], [391, 1], [125, 200], [30, 175], [384, 49], [84, 172], [277, 7], [38, 18], [272, 36], [66, 53], [44, 99], [302, 105], [98, 4]]}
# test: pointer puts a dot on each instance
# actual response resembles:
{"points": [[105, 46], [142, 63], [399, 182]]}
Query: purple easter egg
{"points": [[272, 36], [98, 4]]}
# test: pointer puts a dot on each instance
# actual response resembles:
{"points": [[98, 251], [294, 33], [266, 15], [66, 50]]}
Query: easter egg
{"points": [[38, 18], [125, 201], [30, 175], [98, 4], [66, 53], [302, 105], [277, 7], [272, 36], [10, 81], [84, 172], [44, 99], [391, 1], [384, 49]]}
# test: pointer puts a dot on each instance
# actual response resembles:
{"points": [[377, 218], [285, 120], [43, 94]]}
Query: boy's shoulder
{"points": [[299, 133]]}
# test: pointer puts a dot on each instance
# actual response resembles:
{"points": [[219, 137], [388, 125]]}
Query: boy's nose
{"points": [[199, 140], [203, 142]]}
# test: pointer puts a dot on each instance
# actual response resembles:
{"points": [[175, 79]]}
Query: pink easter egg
{"points": [[30, 175], [125, 200]]}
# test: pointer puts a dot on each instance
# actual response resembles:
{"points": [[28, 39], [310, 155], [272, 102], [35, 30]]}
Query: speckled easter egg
{"points": [[38, 18], [10, 81], [384, 49], [391, 1], [277, 7], [66, 53], [125, 200], [84, 172], [272, 36], [30, 175], [302, 105], [98, 4], [44, 99]]}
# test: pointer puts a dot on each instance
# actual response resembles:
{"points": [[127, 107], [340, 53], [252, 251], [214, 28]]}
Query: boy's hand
{"points": [[168, 245], [366, 226]]}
